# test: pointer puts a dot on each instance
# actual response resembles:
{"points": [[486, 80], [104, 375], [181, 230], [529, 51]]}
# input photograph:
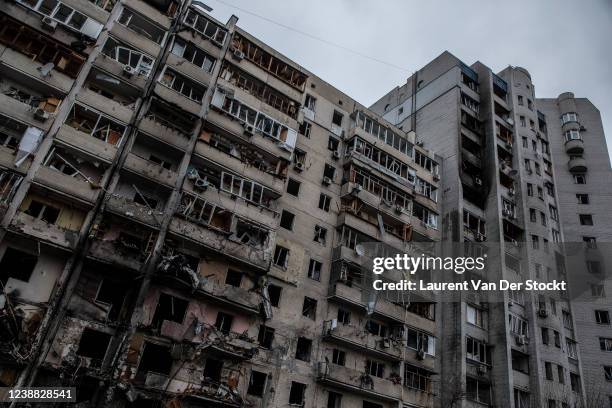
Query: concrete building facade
{"points": [[183, 212]]}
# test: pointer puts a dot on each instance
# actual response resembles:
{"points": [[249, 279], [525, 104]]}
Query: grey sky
{"points": [[566, 45]]}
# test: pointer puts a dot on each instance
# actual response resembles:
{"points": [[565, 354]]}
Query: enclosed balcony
{"points": [[574, 146], [577, 164]]}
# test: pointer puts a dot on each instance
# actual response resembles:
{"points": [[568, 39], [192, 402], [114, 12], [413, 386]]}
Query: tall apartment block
{"points": [[184, 211], [514, 173]]}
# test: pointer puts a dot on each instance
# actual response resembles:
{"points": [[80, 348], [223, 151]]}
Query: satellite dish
{"points": [[359, 249]]}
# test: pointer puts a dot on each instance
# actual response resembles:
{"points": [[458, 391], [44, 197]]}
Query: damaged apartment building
{"points": [[184, 211]]}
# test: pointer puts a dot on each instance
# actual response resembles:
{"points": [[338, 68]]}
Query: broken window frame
{"points": [[182, 84], [314, 269], [9, 182], [477, 350], [260, 121], [73, 20], [221, 322], [205, 212], [303, 349], [181, 47], [281, 256], [384, 133], [126, 17], [260, 389], [41, 213], [426, 189], [278, 68], [260, 90], [420, 341], [381, 160], [265, 337], [57, 162], [309, 308], [138, 60], [202, 24], [110, 124], [246, 189], [64, 59], [320, 234], [425, 215], [379, 187], [106, 5]]}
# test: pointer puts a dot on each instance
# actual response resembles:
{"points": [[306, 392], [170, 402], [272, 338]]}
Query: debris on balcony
{"points": [[259, 90], [39, 47], [180, 266], [243, 47]]}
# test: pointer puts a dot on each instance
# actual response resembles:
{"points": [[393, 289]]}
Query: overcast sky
{"points": [[565, 44]]}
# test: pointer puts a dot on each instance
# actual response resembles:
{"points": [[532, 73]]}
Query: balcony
{"points": [[150, 170], [23, 112], [358, 339], [577, 165], [257, 138], [44, 231], [385, 309], [240, 207], [105, 105], [125, 207], [358, 382], [178, 99], [80, 140], [140, 42], [111, 252], [574, 146], [70, 185], [232, 297], [221, 242], [238, 166]]}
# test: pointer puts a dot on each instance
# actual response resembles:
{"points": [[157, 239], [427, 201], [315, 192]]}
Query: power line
{"points": [[314, 37]]}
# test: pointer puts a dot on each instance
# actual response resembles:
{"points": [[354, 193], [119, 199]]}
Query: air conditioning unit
{"points": [[481, 369], [41, 115], [420, 355], [336, 155], [49, 24], [128, 71], [480, 237], [399, 209], [543, 313], [201, 183], [385, 343], [238, 55], [298, 166], [327, 181], [249, 130]]}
